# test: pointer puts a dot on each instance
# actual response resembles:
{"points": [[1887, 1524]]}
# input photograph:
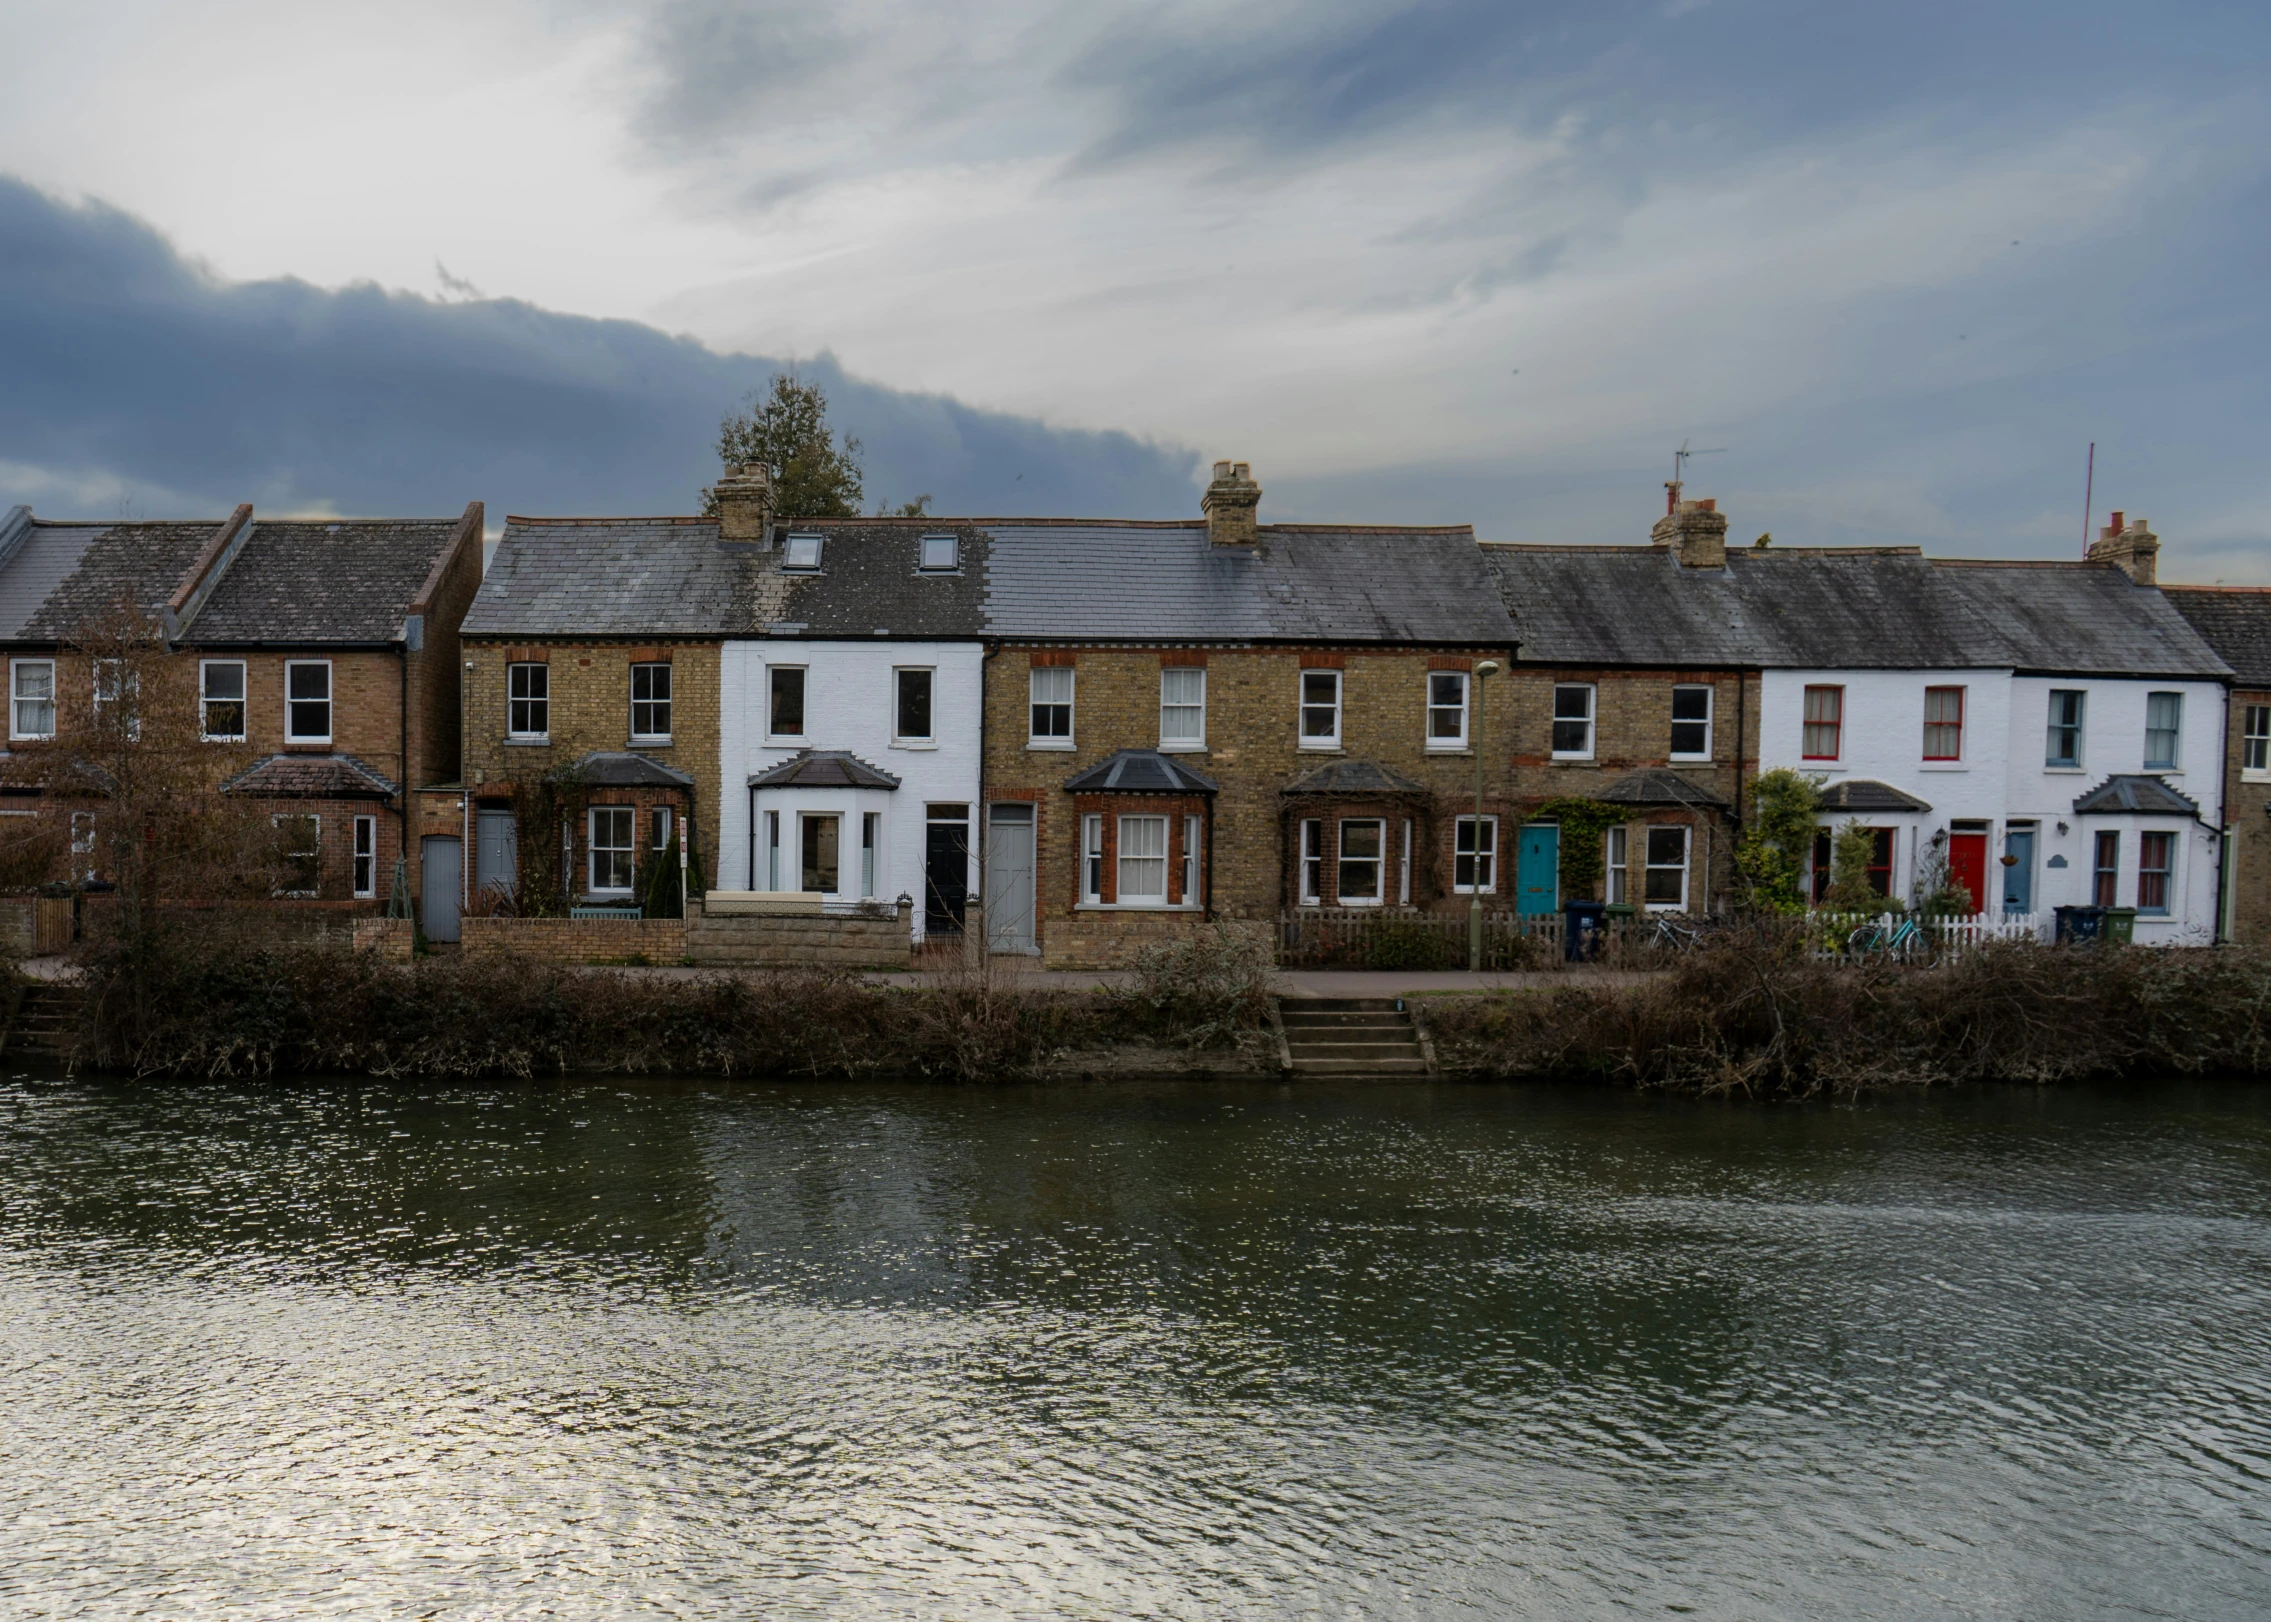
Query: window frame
{"points": [[2105, 876], [1342, 861], [122, 683], [1589, 720], [928, 737], [538, 705], [1809, 726], [1303, 738], [953, 562], [795, 544], [1449, 743], [1122, 895], [1182, 745], [1311, 857], [1710, 694], [363, 855], [2255, 729], [1649, 864], [2052, 726], [2175, 760], [651, 704], [808, 823], [1034, 705], [1482, 864], [663, 820], [773, 675], [2164, 872], [16, 699], [1616, 857], [628, 850], [1942, 726], [1194, 859], [206, 701], [1092, 858], [329, 702], [313, 855]]}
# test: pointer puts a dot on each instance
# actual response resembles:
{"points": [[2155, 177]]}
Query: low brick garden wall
{"points": [[393, 939], [578, 940], [1111, 940]]}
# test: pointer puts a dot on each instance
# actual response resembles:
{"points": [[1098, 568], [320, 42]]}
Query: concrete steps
{"points": [[47, 1021], [1352, 1036]]}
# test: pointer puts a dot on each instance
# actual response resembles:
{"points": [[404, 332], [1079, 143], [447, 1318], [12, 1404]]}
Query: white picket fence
{"points": [[1951, 937]]}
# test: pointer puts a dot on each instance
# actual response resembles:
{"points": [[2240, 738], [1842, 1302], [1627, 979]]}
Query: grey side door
{"points": [[496, 856], [1009, 878], [444, 877]]}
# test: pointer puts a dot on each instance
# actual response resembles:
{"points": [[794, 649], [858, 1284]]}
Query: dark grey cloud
{"points": [[120, 362]]}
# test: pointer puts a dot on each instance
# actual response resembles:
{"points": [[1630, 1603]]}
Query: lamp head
{"points": [[1488, 667]]}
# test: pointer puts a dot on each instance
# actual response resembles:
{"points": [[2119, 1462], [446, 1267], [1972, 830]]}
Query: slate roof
{"points": [[1139, 771], [824, 768], [2235, 621], [1353, 779], [1867, 794], [2131, 791], [869, 584], [612, 577], [310, 583], [310, 777], [1840, 608], [1300, 583], [616, 768], [1656, 785], [81, 572]]}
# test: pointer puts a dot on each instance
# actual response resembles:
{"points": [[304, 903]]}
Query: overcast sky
{"points": [[1893, 266]]}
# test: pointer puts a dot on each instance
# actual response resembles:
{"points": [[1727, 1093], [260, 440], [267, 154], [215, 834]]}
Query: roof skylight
{"points": [[803, 553], [941, 553]]}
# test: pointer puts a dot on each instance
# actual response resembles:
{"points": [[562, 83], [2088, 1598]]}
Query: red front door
{"points": [[1967, 864]]}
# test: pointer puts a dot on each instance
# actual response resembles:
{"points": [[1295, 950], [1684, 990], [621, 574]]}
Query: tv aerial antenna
{"points": [[1679, 471]]}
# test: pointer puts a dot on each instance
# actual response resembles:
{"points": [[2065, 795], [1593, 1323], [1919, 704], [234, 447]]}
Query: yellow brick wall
{"points": [[591, 710], [2245, 808]]}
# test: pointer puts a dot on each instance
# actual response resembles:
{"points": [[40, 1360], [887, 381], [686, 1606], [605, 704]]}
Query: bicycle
{"points": [[1903, 942], [1673, 935]]}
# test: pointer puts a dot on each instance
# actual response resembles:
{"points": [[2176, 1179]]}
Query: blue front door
{"points": [[2018, 877], [1537, 873]]}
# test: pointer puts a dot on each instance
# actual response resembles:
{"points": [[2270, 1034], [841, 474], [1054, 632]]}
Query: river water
{"points": [[712, 1350]]}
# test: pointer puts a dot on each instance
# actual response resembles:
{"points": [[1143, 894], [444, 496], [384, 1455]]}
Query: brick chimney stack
{"points": [[1696, 532], [2134, 550], [745, 503], [1229, 505]]}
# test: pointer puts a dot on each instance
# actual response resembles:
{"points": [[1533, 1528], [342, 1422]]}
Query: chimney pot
{"points": [[1696, 533], [1229, 505], [745, 503]]}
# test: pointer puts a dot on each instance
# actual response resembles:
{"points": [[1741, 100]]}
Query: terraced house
{"points": [[326, 663], [2236, 622]]}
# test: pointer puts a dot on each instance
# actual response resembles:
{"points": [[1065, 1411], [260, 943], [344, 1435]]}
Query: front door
{"points": [[1967, 866], [1009, 878], [946, 874], [445, 871], [2018, 873], [496, 853], [1537, 870]]}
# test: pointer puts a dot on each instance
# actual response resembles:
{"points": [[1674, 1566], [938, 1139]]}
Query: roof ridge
{"points": [[2237, 590]]}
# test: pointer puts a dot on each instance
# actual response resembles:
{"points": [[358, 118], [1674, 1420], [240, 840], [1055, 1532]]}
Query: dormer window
{"points": [[803, 554], [942, 554]]}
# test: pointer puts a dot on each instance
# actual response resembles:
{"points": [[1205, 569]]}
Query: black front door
{"points": [[946, 877]]}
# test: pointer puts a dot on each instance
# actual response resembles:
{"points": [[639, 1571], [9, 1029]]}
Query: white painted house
{"points": [[849, 733]]}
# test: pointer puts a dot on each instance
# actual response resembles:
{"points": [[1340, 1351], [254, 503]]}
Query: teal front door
{"points": [[1537, 871], [2018, 875]]}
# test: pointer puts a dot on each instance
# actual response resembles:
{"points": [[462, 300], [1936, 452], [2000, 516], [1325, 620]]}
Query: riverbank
{"points": [[1762, 1019]]}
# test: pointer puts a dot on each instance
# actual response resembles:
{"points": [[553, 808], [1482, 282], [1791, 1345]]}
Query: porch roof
{"points": [[310, 777], [1138, 771], [2138, 792], [1354, 779], [618, 768], [824, 768], [1655, 785], [1867, 794]]}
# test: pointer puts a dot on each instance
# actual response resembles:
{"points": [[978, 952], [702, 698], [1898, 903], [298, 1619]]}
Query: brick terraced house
{"points": [[2236, 622], [326, 654], [1227, 719]]}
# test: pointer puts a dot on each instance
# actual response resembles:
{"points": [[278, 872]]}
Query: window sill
{"points": [[215, 737], [1054, 746], [1137, 906], [1572, 760], [2165, 771], [1319, 749], [788, 743], [2254, 777], [1449, 749], [1182, 749], [1692, 760], [1942, 766], [914, 743], [648, 743], [528, 743], [307, 746], [2069, 771]]}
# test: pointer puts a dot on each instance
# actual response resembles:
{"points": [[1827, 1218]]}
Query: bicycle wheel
{"points": [[1867, 938]]}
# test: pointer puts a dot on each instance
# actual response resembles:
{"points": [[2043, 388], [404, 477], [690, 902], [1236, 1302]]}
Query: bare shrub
{"points": [[1204, 990]]}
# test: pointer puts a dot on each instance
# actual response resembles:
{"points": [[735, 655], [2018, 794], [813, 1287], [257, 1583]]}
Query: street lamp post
{"points": [[1483, 672]]}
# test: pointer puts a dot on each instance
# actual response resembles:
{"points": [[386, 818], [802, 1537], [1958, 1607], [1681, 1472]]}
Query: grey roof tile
{"points": [[1354, 778], [1867, 794], [2138, 792], [349, 581], [612, 577], [618, 768], [1860, 608], [824, 768], [2235, 621], [138, 566], [310, 777], [1139, 771], [1657, 785]]}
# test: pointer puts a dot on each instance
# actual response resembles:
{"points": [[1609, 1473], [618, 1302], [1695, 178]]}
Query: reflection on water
{"points": [[710, 1350]]}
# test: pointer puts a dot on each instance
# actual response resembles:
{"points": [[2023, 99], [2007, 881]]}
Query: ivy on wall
{"points": [[1771, 856], [1584, 828]]}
